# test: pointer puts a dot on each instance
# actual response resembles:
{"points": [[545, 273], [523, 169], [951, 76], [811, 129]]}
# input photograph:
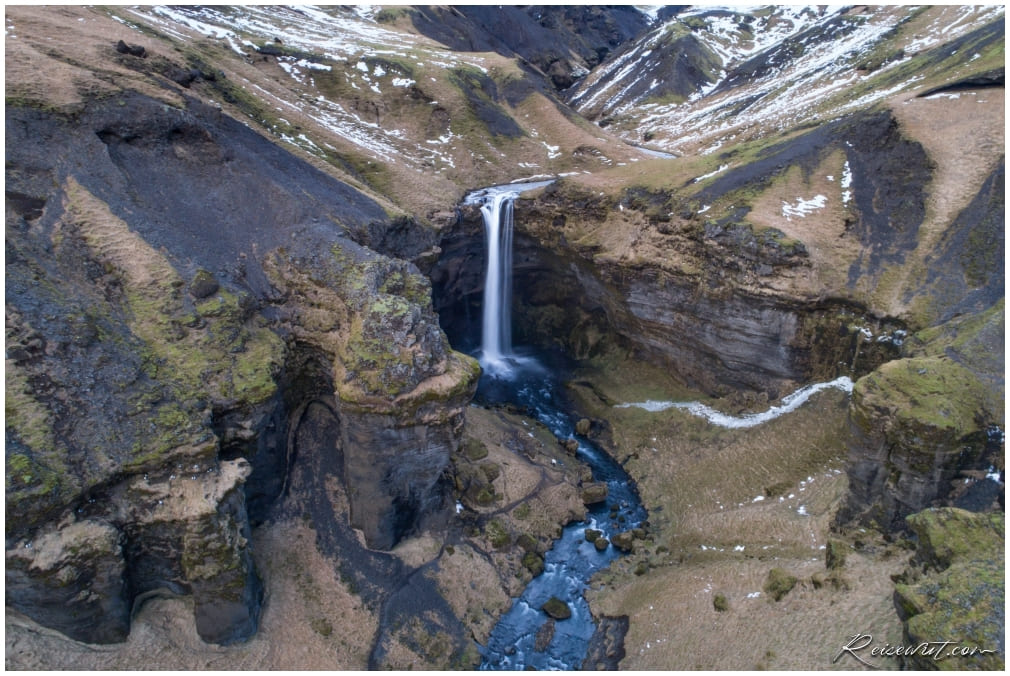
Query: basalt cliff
{"points": [[242, 291]]}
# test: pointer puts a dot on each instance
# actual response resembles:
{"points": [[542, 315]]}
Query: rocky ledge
{"points": [[179, 289]]}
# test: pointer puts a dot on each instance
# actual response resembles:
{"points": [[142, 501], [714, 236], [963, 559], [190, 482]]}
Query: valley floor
{"points": [[727, 506]]}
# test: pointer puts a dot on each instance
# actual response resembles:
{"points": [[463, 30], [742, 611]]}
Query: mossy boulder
{"points": [[624, 541], [779, 583], [557, 609], [592, 535], [203, 285], [594, 493], [834, 554], [961, 597], [533, 563]]}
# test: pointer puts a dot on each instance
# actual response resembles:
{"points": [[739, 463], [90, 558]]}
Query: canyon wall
{"points": [[177, 289]]}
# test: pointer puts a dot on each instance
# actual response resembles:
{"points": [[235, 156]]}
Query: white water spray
{"points": [[496, 327], [496, 355]]}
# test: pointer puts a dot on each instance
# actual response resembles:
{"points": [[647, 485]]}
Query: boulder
{"points": [[779, 583], [594, 493], [624, 541], [556, 608]]}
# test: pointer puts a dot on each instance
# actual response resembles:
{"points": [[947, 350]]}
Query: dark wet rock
{"points": [[592, 535], [606, 646], [582, 426], [132, 50], [557, 609], [601, 543], [545, 634]]}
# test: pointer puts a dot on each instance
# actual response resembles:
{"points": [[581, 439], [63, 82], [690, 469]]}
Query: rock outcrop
{"points": [[958, 593], [173, 302]]}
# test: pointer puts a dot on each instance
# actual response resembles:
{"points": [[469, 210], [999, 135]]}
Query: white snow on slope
{"points": [[342, 39]]}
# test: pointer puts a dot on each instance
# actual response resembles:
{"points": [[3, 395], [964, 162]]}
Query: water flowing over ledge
{"points": [[790, 403], [496, 326]]}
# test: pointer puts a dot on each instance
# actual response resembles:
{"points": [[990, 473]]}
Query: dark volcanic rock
{"points": [[132, 50], [606, 647], [77, 585], [180, 293], [563, 42]]}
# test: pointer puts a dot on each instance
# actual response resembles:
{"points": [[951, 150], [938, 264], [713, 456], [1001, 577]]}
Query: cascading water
{"points": [[572, 560], [496, 327], [496, 207]]}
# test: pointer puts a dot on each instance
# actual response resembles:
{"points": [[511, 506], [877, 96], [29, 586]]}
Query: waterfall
{"points": [[496, 203], [496, 327]]}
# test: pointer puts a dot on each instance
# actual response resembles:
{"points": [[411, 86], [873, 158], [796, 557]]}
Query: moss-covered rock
{"points": [[914, 424], [834, 554], [779, 583], [594, 493], [533, 562], [961, 597], [949, 535], [557, 609]]}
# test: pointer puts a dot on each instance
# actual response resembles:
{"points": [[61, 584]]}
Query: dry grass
{"points": [[725, 507], [965, 138], [59, 56], [822, 231]]}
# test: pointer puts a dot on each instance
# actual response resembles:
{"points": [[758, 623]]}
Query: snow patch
{"points": [[802, 207]]}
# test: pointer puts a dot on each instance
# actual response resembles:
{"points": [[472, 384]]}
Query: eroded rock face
{"points": [[720, 338], [173, 304], [915, 423], [183, 533]]}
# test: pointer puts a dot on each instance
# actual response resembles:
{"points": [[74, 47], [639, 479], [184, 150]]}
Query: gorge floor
{"points": [[709, 536]]}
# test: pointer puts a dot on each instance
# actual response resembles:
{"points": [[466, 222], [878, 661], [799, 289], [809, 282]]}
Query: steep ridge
{"points": [[758, 73]]}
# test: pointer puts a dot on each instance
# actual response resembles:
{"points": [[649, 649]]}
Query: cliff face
{"points": [[168, 282]]}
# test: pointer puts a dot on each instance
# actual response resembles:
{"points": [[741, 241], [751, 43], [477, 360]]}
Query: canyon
{"points": [[245, 421]]}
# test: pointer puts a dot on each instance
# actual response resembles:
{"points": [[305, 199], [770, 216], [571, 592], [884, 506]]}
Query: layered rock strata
{"points": [[178, 290]]}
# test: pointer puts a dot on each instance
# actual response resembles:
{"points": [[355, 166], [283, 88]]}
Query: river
{"points": [[572, 560]]}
